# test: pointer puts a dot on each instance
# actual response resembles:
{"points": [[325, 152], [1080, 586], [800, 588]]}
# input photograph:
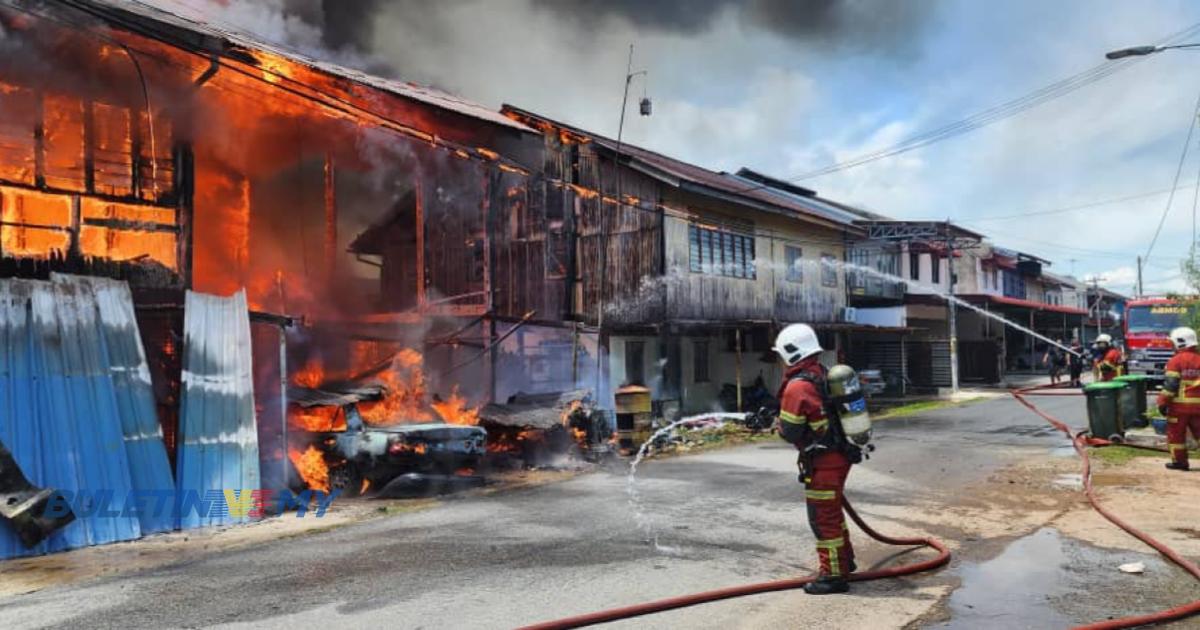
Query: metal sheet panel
{"points": [[60, 414], [218, 442], [149, 469]]}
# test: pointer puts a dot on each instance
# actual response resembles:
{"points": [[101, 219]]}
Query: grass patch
{"points": [[1118, 455], [924, 405]]}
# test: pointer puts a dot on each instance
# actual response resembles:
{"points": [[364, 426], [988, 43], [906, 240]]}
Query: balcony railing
{"points": [[863, 285]]}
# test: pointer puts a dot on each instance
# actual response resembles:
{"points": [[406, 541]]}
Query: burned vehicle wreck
{"points": [[353, 456]]}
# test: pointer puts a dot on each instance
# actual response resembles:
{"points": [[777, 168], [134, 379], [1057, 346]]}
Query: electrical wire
{"points": [[991, 115], [1178, 172], [1084, 206]]}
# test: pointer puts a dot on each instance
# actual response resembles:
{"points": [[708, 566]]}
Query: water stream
{"points": [[635, 503], [944, 296]]}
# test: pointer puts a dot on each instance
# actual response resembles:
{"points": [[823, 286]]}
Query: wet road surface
{"points": [[720, 518]]}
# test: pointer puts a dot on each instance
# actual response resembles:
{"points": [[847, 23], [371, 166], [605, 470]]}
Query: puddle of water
{"points": [[1013, 590], [1045, 580]]}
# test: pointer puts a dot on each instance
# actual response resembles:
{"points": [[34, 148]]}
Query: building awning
{"points": [[1029, 304]]}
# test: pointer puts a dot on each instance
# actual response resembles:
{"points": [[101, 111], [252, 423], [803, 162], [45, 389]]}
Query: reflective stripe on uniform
{"points": [[832, 543], [821, 495], [1171, 447], [819, 424], [1175, 374], [788, 416]]}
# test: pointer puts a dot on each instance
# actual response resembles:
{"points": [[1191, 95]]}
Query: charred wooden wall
{"points": [[92, 178]]}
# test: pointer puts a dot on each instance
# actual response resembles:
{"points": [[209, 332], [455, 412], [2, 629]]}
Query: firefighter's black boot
{"points": [[827, 585], [1178, 466]]}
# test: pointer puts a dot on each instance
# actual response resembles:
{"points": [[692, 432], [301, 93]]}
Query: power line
{"points": [[1084, 206], [1178, 172], [991, 115]]}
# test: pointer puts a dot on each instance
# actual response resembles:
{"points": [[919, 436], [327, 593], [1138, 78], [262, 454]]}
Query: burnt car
{"points": [[378, 454]]}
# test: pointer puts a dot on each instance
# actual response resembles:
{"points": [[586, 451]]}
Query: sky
{"points": [[789, 87]]}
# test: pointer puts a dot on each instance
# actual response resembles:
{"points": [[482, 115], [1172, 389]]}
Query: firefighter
{"points": [[1179, 399], [1109, 360], [825, 455]]}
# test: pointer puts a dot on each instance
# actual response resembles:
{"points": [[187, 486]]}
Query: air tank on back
{"points": [[847, 394]]}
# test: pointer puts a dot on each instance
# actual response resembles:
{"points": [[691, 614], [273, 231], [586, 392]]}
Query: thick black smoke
{"points": [[860, 24]]}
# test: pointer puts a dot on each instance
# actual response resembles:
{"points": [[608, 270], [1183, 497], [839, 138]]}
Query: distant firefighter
{"points": [[1179, 400], [1108, 360]]}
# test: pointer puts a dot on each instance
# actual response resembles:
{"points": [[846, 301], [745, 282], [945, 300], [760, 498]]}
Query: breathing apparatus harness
{"points": [[845, 396]]}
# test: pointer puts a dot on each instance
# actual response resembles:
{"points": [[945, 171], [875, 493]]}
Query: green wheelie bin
{"points": [[1104, 409], [1139, 384]]}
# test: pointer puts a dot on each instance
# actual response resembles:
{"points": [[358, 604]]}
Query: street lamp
{"points": [[1142, 51]]}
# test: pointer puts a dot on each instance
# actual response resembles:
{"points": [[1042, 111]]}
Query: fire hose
{"points": [[684, 601], [1080, 441]]}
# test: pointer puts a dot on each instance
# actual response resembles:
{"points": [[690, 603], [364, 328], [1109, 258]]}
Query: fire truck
{"points": [[1148, 322]]}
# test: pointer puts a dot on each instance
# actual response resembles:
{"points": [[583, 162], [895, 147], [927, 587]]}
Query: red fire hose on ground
{"points": [[684, 601], [1080, 441]]}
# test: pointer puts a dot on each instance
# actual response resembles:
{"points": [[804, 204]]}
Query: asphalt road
{"points": [[719, 518]]}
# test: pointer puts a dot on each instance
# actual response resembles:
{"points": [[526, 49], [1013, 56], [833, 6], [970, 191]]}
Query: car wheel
{"points": [[347, 479]]}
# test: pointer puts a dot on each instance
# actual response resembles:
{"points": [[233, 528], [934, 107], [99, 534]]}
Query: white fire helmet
{"points": [[797, 342], [1183, 337], [1105, 339]]}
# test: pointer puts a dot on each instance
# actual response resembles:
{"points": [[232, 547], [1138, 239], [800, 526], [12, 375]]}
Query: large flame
{"points": [[455, 410], [311, 466]]}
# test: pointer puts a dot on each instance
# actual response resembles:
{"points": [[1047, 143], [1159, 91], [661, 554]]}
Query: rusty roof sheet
{"points": [[193, 19], [698, 179]]}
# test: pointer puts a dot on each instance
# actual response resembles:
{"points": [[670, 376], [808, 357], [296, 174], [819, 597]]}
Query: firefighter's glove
{"points": [[1162, 410]]}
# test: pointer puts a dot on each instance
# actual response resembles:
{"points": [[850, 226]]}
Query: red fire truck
{"points": [[1148, 322]]}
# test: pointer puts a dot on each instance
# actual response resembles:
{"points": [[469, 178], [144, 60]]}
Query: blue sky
{"points": [[732, 91]]}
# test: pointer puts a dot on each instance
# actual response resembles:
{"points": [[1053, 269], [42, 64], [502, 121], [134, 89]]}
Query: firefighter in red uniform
{"points": [[804, 421], [1179, 400], [1108, 366]]}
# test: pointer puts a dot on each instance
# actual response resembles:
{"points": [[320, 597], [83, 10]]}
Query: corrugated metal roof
{"points": [[149, 468], [218, 439], [60, 416], [194, 19], [701, 180], [811, 203]]}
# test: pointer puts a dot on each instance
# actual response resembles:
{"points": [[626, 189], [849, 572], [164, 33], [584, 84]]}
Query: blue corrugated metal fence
{"points": [[218, 441]]}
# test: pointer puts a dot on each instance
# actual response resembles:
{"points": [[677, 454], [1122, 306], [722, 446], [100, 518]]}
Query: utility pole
{"points": [[1139, 277], [953, 312], [601, 338]]}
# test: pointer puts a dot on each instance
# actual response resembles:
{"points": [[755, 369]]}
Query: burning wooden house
{"points": [[368, 225]]}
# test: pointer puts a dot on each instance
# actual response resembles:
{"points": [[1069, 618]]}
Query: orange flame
{"points": [[311, 375], [405, 397], [311, 466], [454, 410]]}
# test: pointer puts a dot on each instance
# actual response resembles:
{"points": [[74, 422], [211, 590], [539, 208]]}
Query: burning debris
{"points": [[537, 430]]}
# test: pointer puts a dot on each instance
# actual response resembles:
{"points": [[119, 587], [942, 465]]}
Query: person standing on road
{"points": [[1075, 363], [809, 420], [1108, 363], [1179, 399], [1055, 360]]}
